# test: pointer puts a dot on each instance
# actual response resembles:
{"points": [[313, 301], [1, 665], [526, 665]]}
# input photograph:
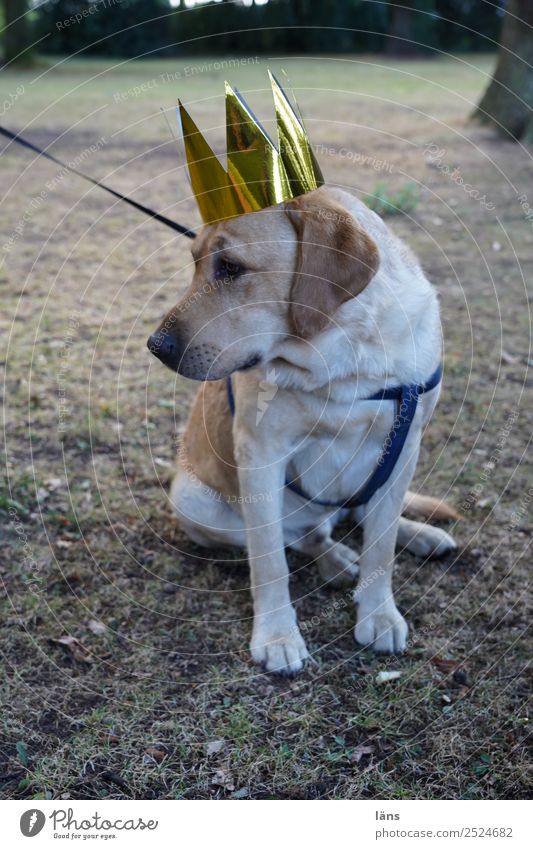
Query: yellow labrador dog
{"points": [[314, 307]]}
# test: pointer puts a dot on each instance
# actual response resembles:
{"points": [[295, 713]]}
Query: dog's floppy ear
{"points": [[336, 261]]}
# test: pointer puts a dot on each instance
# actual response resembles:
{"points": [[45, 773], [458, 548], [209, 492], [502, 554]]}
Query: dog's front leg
{"points": [[379, 622], [276, 640]]}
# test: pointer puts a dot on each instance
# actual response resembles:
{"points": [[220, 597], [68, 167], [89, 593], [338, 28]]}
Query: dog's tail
{"points": [[427, 507]]}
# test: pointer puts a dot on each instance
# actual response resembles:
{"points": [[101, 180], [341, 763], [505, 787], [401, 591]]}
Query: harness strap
{"points": [[406, 398], [394, 393], [231, 397]]}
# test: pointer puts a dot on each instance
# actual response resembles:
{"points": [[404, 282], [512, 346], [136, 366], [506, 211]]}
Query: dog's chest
{"points": [[342, 448]]}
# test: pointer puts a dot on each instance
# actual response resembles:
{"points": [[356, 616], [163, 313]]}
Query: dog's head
{"points": [[260, 279]]}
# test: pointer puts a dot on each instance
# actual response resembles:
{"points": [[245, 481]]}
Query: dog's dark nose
{"points": [[162, 346]]}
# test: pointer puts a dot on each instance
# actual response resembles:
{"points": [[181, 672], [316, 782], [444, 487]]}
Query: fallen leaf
{"points": [[214, 747], [223, 778], [73, 576], [75, 648], [360, 751], [445, 664], [384, 677], [157, 754], [97, 627]]}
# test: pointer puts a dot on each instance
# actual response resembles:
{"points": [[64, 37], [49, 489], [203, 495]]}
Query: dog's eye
{"points": [[225, 269]]}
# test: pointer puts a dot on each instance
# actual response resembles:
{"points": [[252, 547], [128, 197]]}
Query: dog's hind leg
{"points": [[424, 540], [307, 528], [207, 519], [337, 563], [203, 514]]}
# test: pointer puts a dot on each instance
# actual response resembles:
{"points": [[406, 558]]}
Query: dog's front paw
{"points": [[279, 650], [383, 627]]}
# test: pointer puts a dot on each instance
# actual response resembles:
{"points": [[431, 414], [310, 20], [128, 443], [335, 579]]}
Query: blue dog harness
{"points": [[406, 398]]}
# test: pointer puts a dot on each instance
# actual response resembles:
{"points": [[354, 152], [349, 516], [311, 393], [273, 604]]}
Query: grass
{"points": [[158, 698], [385, 202]]}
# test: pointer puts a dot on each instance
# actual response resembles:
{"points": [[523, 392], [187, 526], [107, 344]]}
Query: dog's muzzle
{"points": [[197, 362]]}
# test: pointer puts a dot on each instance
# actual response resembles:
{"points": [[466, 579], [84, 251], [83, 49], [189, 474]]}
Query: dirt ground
{"points": [[125, 664]]}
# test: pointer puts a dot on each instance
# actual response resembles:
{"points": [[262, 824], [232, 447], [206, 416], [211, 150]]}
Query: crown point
{"points": [[259, 174]]}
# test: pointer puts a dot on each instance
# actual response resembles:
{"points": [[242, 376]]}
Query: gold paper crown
{"points": [[259, 174]]}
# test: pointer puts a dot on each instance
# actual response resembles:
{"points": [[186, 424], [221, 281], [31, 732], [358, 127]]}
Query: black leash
{"points": [[150, 212]]}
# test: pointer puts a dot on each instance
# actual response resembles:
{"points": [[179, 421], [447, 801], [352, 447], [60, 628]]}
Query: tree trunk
{"points": [[16, 32], [508, 101], [399, 40]]}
